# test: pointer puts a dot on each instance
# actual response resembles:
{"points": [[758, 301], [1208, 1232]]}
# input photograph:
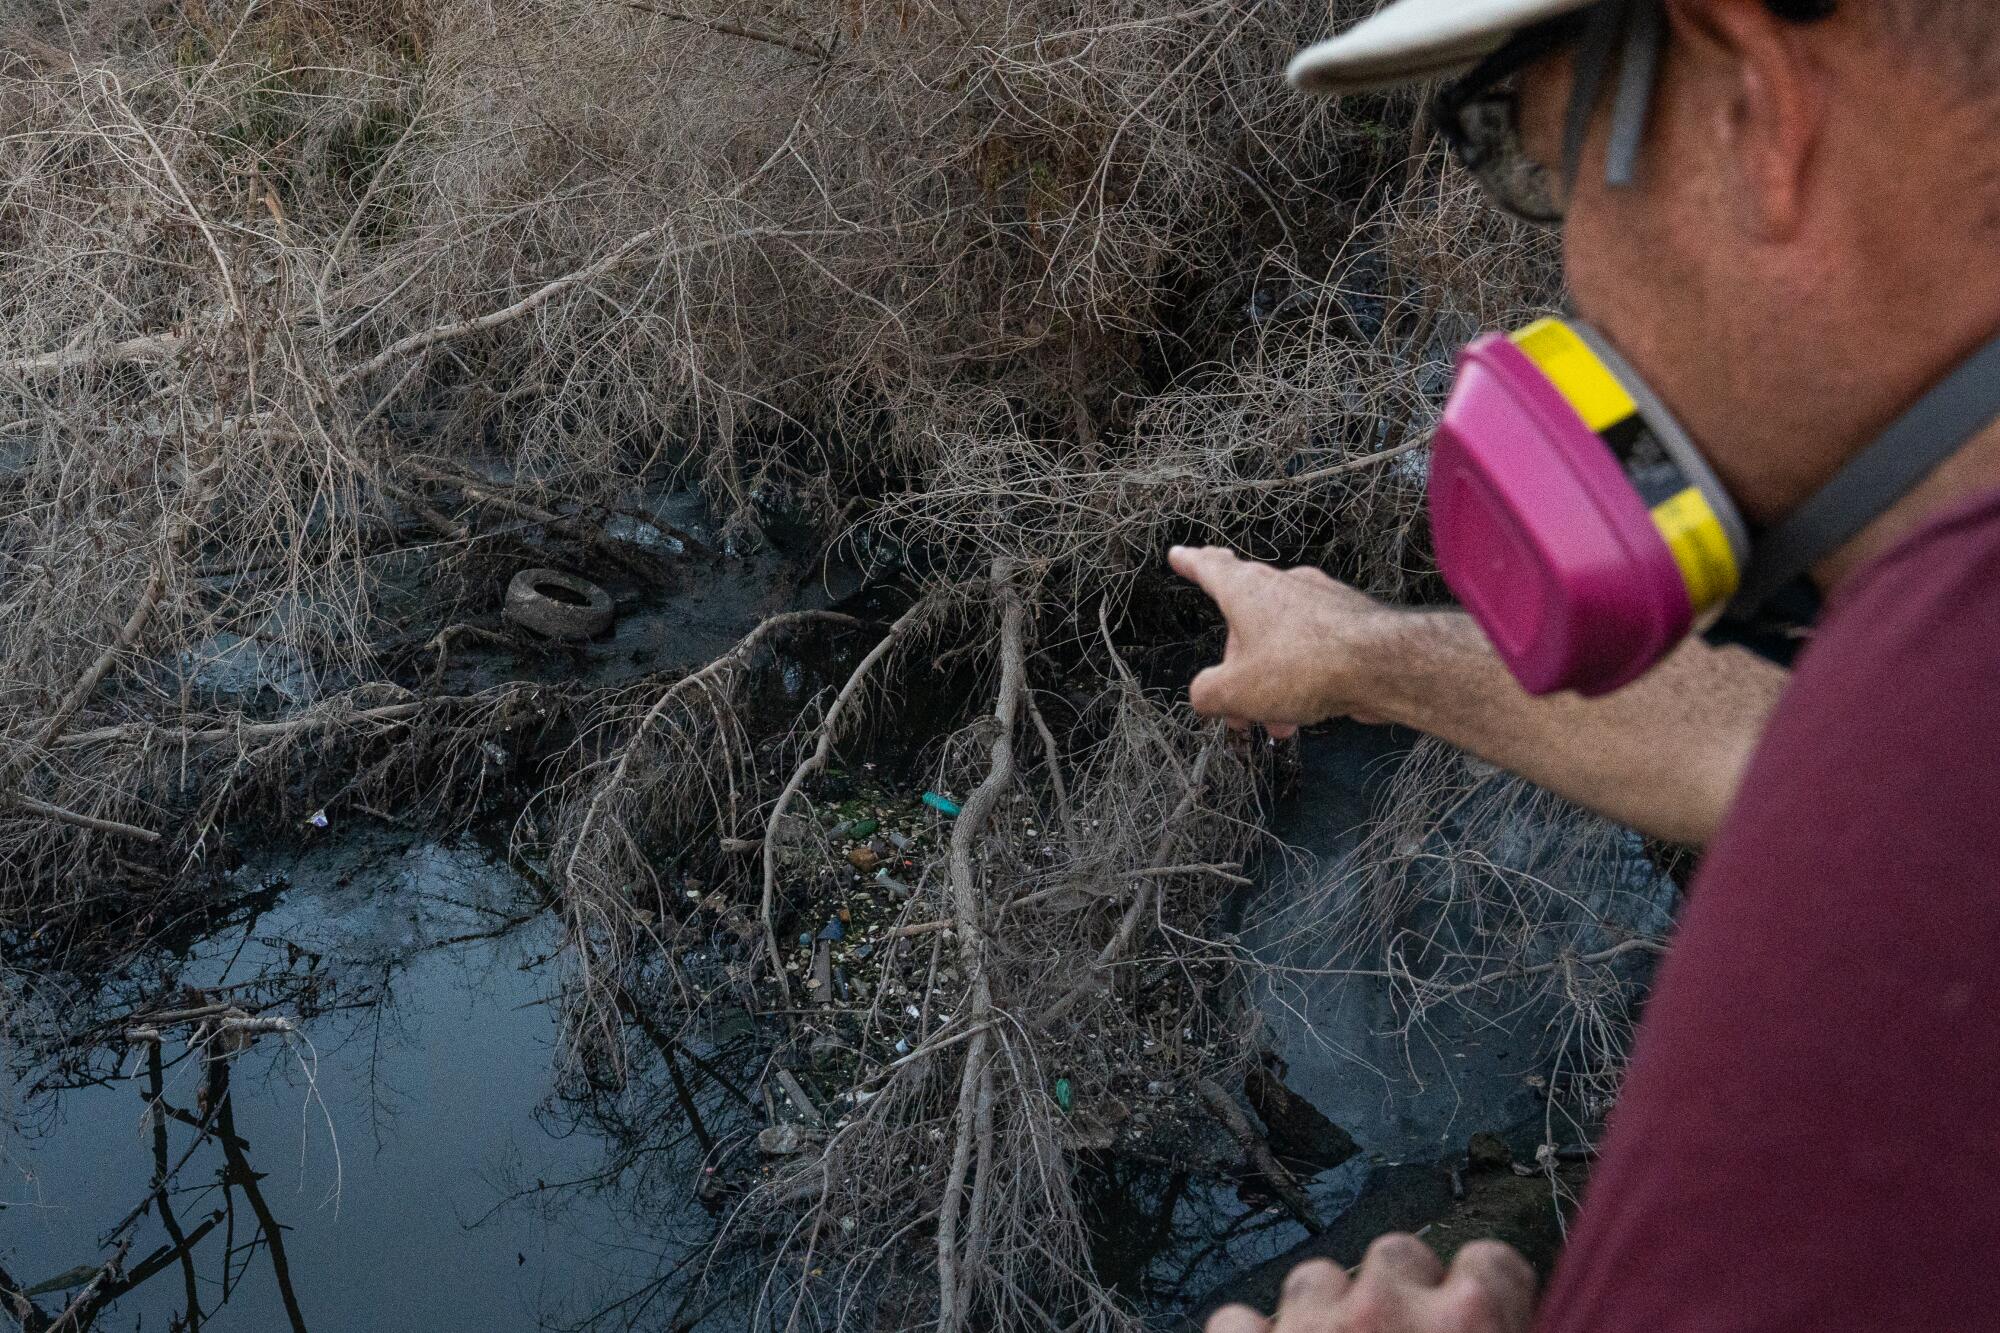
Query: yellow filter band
{"points": [[1576, 372], [1687, 522], [1701, 548]]}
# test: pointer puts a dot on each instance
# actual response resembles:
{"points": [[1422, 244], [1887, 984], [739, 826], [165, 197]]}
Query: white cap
{"points": [[1412, 40]]}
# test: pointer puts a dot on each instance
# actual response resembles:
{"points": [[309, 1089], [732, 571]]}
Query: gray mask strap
{"points": [[1593, 57], [1638, 70], [1941, 423]]}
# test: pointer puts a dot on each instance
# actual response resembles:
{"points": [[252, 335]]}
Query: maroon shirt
{"points": [[1809, 1138]]}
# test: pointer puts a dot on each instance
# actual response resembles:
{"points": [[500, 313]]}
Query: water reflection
{"points": [[295, 1109]]}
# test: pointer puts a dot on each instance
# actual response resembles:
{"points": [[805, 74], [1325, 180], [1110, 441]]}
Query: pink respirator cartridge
{"points": [[1573, 517]]}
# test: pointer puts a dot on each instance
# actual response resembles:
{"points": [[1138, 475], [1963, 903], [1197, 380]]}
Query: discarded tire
{"points": [[557, 605]]}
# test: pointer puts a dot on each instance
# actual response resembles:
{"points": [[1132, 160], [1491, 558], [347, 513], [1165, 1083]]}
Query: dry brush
{"points": [[312, 316]]}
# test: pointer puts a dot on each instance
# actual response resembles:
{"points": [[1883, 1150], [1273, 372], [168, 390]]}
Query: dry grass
{"points": [[301, 303]]}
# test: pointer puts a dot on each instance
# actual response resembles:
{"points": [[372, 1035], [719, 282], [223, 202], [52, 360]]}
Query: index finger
{"points": [[1201, 565]]}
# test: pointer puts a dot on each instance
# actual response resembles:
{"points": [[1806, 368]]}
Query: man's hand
{"points": [[1298, 641], [1401, 1288]]}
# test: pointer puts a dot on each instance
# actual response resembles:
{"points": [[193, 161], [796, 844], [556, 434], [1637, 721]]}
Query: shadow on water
{"points": [[1338, 1053]]}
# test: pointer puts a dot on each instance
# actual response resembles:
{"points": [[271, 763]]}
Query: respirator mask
{"points": [[1580, 527], [1573, 517]]}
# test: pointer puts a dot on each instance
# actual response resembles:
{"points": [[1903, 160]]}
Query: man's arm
{"points": [[1664, 755]]}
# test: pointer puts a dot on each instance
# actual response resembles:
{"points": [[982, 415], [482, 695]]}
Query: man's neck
{"points": [[1973, 469]]}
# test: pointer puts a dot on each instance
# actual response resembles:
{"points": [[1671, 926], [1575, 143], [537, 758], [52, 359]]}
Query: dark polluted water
{"points": [[397, 1161], [398, 1142]]}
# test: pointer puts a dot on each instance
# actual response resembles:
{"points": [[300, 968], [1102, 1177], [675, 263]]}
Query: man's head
{"points": [[1810, 233]]}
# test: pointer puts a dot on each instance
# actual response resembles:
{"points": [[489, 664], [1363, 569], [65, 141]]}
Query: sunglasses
{"points": [[1479, 116]]}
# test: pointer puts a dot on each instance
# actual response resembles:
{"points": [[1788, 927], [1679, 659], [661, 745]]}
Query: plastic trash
{"points": [[944, 805], [1063, 1095], [319, 819], [833, 930], [862, 828], [902, 1045], [781, 1140]]}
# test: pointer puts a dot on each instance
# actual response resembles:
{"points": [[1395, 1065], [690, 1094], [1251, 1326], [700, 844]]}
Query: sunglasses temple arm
{"points": [[1638, 72], [1593, 56]]}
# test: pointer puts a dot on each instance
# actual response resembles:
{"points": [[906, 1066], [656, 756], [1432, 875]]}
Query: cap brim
{"points": [[1413, 40]]}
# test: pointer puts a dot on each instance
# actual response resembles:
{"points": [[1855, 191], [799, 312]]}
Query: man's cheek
{"points": [[1619, 280]]}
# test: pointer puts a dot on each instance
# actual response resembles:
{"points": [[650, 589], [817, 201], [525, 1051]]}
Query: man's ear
{"points": [[1767, 98]]}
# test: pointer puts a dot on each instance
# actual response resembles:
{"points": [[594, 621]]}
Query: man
{"points": [[1800, 251]]}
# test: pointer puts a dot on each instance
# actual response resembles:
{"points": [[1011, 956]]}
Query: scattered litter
{"points": [[833, 931], [795, 1093], [319, 819], [864, 859], [1063, 1095], [781, 1140], [944, 805]]}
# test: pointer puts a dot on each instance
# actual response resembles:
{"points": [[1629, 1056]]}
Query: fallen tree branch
{"points": [[541, 296], [91, 822], [801, 46], [499, 498], [83, 1307], [919, 928], [85, 685], [254, 731], [975, 1093], [152, 347], [1224, 871], [1224, 1108], [702, 679]]}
